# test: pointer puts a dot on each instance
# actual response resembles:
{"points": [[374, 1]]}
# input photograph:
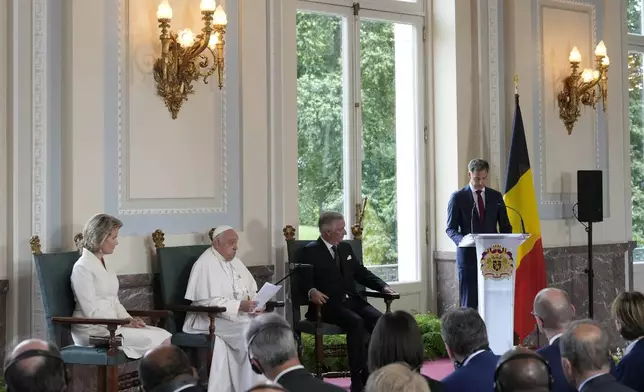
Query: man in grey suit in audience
{"points": [[585, 358]]}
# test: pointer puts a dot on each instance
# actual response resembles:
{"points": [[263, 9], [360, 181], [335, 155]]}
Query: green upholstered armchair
{"points": [[175, 264], [54, 271], [318, 328]]}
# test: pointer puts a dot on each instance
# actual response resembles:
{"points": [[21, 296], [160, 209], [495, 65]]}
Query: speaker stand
{"points": [[589, 270]]}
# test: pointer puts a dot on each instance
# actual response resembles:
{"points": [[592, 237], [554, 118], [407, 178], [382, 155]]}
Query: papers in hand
{"points": [[267, 292], [467, 241]]}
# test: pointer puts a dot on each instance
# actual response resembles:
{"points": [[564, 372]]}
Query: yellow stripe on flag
{"points": [[522, 198]]}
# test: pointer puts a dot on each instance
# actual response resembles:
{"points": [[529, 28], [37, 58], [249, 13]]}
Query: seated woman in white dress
{"points": [[96, 292]]}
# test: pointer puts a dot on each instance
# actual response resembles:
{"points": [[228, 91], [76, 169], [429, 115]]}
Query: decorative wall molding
{"points": [[39, 131], [39, 119], [559, 205], [125, 205], [142, 216], [496, 96]]}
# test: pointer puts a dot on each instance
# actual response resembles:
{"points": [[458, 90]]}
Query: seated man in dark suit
{"points": [[465, 337], [167, 367], [628, 313], [272, 351], [332, 283], [586, 360], [554, 313], [474, 209], [522, 370]]}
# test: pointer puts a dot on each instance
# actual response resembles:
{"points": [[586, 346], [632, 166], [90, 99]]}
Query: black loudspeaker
{"points": [[590, 197]]}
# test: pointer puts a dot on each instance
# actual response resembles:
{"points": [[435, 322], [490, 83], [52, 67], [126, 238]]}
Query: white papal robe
{"points": [[96, 294], [217, 282]]}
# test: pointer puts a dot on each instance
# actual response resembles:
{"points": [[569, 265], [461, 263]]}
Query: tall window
{"points": [[360, 128], [636, 119]]}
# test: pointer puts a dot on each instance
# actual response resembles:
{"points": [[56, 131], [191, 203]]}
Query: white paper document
{"points": [[267, 292], [467, 241]]}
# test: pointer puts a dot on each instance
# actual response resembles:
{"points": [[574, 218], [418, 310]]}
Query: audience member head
{"points": [[477, 171], [266, 387], [396, 377], [224, 241], [553, 311], [522, 370], [166, 368], [628, 313], [584, 351], [331, 225], [100, 234], [463, 332], [396, 338], [35, 365], [271, 345]]}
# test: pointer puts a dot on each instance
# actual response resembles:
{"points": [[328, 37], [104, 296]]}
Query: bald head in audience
{"points": [[521, 369], [553, 311], [167, 364], [584, 351], [35, 365]]}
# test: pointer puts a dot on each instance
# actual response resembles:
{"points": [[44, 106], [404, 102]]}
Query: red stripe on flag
{"points": [[530, 279]]}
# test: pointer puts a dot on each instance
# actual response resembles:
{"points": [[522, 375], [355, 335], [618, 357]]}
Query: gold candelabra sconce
{"points": [[186, 57], [587, 88]]}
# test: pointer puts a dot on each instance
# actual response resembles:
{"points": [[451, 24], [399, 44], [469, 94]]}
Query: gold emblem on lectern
{"points": [[497, 263]]}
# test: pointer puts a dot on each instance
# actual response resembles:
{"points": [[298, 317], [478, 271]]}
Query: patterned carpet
{"points": [[434, 369]]}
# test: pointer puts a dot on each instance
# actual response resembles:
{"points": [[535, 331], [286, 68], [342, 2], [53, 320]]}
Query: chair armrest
{"points": [[377, 294], [150, 313], [95, 321], [196, 309]]}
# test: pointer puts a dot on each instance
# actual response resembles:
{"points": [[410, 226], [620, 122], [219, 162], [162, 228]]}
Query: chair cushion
{"points": [[81, 355], [306, 326], [183, 339]]}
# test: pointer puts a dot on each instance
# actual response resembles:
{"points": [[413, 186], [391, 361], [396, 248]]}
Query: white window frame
{"points": [[393, 11], [396, 6]]}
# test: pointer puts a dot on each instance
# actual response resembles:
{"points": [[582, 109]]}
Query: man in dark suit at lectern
{"points": [[474, 209]]}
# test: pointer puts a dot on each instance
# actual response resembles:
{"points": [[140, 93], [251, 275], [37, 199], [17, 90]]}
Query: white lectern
{"points": [[496, 264]]}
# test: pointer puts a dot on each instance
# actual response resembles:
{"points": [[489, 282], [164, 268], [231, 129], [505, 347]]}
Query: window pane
{"points": [[634, 16], [389, 108], [636, 124], [320, 117]]}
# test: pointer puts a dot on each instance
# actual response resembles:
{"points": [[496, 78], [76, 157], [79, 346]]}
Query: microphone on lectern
{"points": [[518, 213]]}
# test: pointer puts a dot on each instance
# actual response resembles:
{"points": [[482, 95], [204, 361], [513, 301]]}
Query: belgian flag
{"points": [[519, 194]]}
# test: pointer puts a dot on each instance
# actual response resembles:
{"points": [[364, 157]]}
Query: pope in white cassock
{"points": [[218, 278]]}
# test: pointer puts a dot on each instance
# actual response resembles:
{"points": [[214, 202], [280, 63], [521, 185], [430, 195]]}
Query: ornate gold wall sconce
{"points": [[579, 88], [186, 57]]}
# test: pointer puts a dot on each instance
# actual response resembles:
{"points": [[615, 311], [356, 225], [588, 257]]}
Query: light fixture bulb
{"points": [[207, 5], [164, 11], [587, 75], [186, 38], [575, 56], [220, 18], [600, 50]]}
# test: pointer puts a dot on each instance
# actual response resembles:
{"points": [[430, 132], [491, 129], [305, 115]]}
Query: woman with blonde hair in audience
{"points": [[396, 377], [628, 313], [96, 292], [397, 338]]}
